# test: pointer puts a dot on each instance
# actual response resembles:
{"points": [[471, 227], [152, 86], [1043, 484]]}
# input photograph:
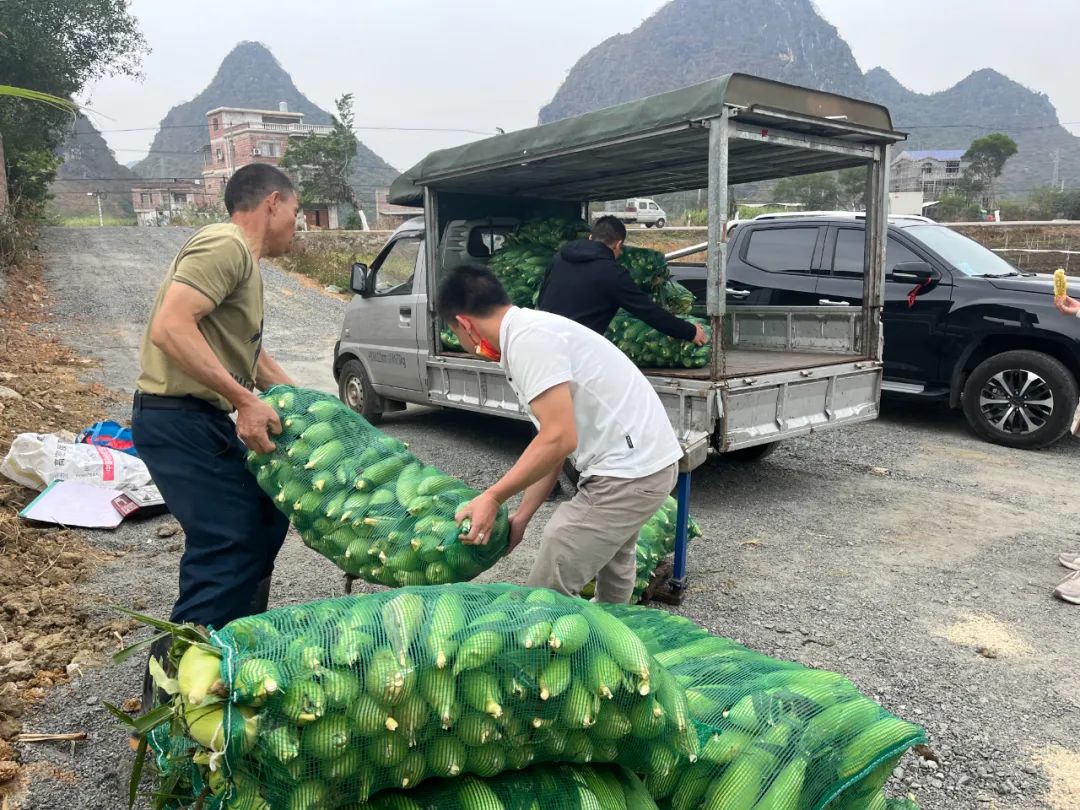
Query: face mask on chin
{"points": [[487, 351]]}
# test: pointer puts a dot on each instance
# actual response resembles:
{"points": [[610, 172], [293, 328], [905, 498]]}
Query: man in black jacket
{"points": [[586, 284]]}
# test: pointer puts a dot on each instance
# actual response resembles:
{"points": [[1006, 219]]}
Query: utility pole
{"points": [[1056, 155], [100, 216]]}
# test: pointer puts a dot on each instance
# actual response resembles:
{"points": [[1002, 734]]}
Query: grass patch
{"points": [[324, 266], [93, 222]]}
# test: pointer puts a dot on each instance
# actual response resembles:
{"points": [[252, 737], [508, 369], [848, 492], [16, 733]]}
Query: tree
{"points": [[815, 192], [851, 184], [321, 162], [56, 47], [987, 156]]}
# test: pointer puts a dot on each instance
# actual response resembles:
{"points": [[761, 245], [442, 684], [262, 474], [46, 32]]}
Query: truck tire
{"points": [[1023, 399], [354, 389], [749, 454], [660, 223]]}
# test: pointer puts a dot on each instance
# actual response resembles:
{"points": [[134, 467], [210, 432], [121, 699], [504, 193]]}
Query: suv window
{"points": [[782, 250], [394, 276], [849, 253]]}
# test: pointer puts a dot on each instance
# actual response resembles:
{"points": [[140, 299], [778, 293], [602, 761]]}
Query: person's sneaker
{"points": [[1070, 559], [1069, 590]]}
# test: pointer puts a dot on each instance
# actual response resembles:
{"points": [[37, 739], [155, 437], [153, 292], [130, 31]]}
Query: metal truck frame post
{"points": [[877, 184]]}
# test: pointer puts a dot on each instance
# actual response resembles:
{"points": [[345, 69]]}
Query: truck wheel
{"points": [[748, 454], [354, 389], [660, 223], [1021, 399]]}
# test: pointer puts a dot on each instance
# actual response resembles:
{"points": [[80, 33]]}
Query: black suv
{"points": [[961, 323]]}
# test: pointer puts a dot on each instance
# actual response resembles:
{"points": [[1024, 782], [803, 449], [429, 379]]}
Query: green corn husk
{"points": [[773, 734]]}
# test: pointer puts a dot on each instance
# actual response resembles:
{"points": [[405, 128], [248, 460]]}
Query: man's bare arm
{"points": [[175, 330], [269, 373]]}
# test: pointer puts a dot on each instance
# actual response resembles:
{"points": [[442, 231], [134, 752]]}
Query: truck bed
{"points": [[740, 363]]}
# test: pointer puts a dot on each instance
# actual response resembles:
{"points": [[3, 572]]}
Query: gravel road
{"points": [[904, 553]]}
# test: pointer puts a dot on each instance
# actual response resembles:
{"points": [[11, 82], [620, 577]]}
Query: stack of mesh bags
{"points": [[363, 501], [541, 787], [524, 259], [325, 705], [773, 734], [656, 540]]}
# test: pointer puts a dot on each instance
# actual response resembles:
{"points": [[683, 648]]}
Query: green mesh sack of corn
{"points": [[774, 734], [648, 268], [656, 540], [321, 706], [648, 348], [551, 233], [676, 298], [361, 499], [541, 787]]}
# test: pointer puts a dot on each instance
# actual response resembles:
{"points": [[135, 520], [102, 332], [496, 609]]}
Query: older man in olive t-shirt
{"points": [[202, 357]]}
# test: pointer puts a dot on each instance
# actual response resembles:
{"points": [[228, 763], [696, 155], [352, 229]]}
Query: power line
{"points": [[372, 128]]}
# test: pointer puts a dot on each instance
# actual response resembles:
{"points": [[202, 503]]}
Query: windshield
{"points": [[966, 255]]}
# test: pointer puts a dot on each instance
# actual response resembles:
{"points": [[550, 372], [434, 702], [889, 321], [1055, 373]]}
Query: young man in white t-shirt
{"points": [[589, 403]]}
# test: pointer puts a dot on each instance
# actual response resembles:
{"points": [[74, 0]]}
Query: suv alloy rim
{"points": [[1016, 401]]}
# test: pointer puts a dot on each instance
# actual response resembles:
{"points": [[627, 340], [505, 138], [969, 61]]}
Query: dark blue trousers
{"points": [[232, 529]]}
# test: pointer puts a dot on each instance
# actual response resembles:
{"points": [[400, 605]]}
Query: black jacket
{"points": [[587, 285]]}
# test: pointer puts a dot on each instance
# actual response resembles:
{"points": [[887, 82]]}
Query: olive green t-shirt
{"points": [[216, 261]]}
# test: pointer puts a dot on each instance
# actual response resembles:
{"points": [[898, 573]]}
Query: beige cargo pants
{"points": [[594, 535]]}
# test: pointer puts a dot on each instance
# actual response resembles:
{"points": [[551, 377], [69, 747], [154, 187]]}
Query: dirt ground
{"points": [[46, 633], [904, 553]]}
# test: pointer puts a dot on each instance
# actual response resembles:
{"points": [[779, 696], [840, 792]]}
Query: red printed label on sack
{"points": [[107, 467]]}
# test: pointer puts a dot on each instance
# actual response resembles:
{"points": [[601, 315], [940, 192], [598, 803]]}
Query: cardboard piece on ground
{"points": [[70, 503]]}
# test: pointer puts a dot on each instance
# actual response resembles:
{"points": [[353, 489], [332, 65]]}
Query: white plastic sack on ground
{"points": [[35, 460]]}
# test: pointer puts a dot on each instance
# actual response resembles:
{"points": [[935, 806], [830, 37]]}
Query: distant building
{"points": [[241, 136], [387, 215], [934, 172], [156, 201]]}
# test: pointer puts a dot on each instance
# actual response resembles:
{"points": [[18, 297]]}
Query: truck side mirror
{"points": [[360, 279], [912, 272]]}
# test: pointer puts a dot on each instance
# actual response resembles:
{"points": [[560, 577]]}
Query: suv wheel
{"points": [[1020, 399], [354, 389], [660, 223]]}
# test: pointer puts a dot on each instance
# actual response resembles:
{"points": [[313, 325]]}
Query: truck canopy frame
{"points": [[660, 144]]}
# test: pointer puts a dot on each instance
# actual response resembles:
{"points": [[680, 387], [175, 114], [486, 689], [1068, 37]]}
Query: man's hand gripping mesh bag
{"points": [[361, 499], [323, 705], [540, 787], [774, 734]]}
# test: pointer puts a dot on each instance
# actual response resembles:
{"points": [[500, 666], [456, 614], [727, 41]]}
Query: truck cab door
{"points": [[385, 326]]}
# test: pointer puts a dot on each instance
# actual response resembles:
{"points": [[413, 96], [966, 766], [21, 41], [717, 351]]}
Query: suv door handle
{"points": [[825, 302], [736, 293], [405, 311]]}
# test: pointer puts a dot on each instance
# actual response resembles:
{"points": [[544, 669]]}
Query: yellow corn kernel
{"points": [[1061, 284]]}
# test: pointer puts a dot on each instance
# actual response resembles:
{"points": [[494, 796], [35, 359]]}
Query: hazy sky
{"points": [[481, 64]]}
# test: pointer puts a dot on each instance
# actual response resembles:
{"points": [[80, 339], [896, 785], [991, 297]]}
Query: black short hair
{"points": [[470, 289], [608, 230], [252, 184]]}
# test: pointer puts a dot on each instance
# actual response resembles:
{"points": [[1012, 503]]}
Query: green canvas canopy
{"points": [[660, 144]]}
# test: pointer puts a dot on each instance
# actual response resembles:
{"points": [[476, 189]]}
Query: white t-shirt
{"points": [[623, 430]]}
